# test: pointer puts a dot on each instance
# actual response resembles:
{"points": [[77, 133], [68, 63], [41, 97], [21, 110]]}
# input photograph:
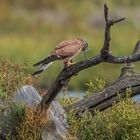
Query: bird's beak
{"points": [[85, 54], [85, 50]]}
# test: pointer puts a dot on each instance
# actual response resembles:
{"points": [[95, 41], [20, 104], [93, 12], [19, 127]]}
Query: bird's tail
{"points": [[45, 63], [42, 68]]}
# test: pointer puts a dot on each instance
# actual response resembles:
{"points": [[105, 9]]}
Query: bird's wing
{"points": [[67, 43], [62, 44], [68, 49]]}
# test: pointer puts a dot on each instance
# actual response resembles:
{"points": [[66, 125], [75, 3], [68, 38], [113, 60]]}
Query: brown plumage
{"points": [[65, 50]]}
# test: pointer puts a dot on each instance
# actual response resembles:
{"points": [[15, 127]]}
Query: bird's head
{"points": [[85, 45]]}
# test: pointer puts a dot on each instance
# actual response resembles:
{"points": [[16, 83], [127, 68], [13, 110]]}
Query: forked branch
{"points": [[105, 51], [104, 56]]}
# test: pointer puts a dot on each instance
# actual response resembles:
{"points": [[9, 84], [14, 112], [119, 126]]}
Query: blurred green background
{"points": [[30, 29]]}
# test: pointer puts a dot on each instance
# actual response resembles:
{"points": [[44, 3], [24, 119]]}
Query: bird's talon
{"points": [[70, 63]]}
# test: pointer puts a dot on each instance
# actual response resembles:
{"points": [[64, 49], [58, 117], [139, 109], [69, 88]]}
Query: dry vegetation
{"points": [[11, 78], [119, 123], [28, 122]]}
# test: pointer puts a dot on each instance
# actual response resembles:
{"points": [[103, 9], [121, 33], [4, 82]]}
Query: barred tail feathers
{"points": [[45, 63], [42, 68], [47, 60]]}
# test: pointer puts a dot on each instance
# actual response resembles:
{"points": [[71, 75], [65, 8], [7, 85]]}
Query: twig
{"points": [[118, 20], [105, 51]]}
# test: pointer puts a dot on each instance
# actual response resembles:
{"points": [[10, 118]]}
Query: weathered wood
{"points": [[74, 69], [104, 99], [104, 56]]}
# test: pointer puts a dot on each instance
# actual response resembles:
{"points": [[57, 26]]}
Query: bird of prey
{"points": [[65, 50]]}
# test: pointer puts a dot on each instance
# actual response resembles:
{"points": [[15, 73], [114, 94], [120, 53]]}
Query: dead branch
{"points": [[108, 23], [104, 99], [136, 50], [104, 56]]}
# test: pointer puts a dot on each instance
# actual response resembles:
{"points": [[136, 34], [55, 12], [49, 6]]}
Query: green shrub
{"points": [[3, 95], [27, 122], [11, 78], [18, 111], [121, 122], [96, 85]]}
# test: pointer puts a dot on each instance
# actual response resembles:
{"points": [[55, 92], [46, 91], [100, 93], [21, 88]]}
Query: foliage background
{"points": [[29, 30]]}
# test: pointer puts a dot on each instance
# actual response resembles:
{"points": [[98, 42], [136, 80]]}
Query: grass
{"points": [[30, 48], [26, 38]]}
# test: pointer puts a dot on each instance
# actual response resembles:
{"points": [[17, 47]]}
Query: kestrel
{"points": [[65, 50]]}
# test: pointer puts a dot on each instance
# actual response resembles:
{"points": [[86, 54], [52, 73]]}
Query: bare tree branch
{"points": [[104, 99], [118, 20], [105, 51], [106, 13], [136, 50], [104, 56]]}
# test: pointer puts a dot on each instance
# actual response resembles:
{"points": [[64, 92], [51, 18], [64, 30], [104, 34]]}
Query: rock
{"points": [[56, 128], [28, 95]]}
